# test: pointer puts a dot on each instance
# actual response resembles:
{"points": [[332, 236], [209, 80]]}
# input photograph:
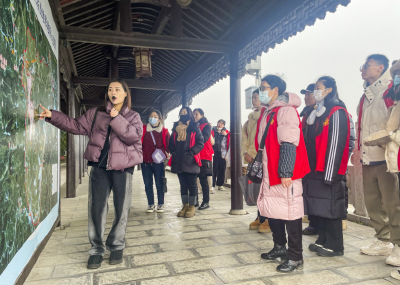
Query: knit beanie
{"points": [[395, 67]]}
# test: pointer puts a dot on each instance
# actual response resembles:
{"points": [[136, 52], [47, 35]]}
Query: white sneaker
{"points": [[394, 257], [221, 188], [151, 209], [160, 209], [377, 248], [395, 274], [212, 191]]}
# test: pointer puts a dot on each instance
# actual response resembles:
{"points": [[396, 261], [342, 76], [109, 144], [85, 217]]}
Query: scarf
{"points": [[181, 131], [318, 111]]}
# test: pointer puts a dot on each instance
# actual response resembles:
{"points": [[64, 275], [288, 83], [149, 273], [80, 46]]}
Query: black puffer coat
{"points": [[324, 192], [182, 154]]}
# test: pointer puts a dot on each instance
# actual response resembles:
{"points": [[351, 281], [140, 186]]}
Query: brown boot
{"points": [[190, 212], [182, 212], [305, 219], [254, 225], [344, 225], [264, 227]]}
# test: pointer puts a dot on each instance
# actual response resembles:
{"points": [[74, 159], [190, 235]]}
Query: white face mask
{"points": [[264, 98], [219, 129], [318, 95]]}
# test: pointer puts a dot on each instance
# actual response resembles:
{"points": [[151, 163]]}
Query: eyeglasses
{"points": [[365, 66], [263, 88]]}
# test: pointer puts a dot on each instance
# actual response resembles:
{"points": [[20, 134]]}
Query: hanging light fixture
{"points": [[143, 62]]}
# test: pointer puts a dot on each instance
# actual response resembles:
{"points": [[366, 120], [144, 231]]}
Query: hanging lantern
{"points": [[143, 62]]}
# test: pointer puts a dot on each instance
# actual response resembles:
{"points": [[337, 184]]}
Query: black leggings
{"points": [[205, 188], [188, 183], [330, 233]]}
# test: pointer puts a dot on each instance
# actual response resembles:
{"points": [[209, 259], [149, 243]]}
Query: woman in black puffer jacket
{"points": [[185, 144]]}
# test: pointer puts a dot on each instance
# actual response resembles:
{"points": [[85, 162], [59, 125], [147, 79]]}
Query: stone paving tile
{"points": [[204, 263], [47, 261], [203, 234], [187, 244], [80, 268], [182, 229], [136, 234], [201, 278], [314, 278], [237, 238], [368, 271], [162, 257], [216, 226], [252, 282], [145, 272], [147, 227], [247, 272], [153, 239], [223, 249], [363, 258], [374, 282], [139, 249], [40, 273], [82, 280]]}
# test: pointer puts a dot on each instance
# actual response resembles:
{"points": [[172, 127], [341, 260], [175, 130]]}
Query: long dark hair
{"points": [[158, 114], [189, 112], [128, 99]]}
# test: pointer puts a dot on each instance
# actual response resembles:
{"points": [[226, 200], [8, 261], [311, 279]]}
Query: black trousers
{"points": [[189, 189], [293, 228], [262, 219], [330, 233], [219, 167], [314, 221], [205, 188]]}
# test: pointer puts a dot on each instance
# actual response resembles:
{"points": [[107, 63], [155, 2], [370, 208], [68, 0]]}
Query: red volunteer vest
{"points": [[321, 144], [272, 148], [207, 152]]}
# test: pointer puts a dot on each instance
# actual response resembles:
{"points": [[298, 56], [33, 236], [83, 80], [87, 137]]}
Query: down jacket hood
{"points": [[286, 99]]}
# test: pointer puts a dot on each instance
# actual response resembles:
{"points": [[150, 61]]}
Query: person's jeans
{"points": [[189, 189], [293, 228], [219, 167], [148, 170], [101, 182], [330, 234]]}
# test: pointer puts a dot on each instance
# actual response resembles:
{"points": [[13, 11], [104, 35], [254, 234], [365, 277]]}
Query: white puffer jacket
{"points": [[374, 117]]}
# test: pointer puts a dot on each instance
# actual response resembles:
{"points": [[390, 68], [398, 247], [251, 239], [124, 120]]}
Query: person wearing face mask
{"points": [[114, 148], [327, 141], [381, 187], [206, 155], [285, 163], [185, 145], [249, 152], [155, 136], [221, 138]]}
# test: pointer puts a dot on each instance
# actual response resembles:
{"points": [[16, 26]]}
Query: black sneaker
{"points": [[279, 251], [314, 247], [329, 253], [290, 266], [197, 204], [116, 257], [204, 206], [94, 261]]}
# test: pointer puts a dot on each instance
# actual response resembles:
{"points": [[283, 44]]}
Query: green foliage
{"points": [[63, 143]]}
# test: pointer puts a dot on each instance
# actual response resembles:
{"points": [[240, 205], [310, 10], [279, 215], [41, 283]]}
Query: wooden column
{"points": [[184, 98], [71, 163], [126, 16], [236, 158], [114, 63], [176, 19]]}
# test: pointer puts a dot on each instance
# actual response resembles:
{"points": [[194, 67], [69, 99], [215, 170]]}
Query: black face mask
{"points": [[184, 118]]}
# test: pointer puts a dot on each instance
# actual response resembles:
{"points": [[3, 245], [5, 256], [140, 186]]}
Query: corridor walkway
{"points": [[211, 248]]}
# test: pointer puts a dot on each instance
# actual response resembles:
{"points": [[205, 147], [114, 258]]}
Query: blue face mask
{"points": [[264, 98], [396, 80], [153, 121]]}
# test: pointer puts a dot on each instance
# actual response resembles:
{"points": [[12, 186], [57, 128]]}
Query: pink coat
{"points": [[276, 201]]}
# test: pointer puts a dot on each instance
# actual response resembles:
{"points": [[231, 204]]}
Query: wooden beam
{"points": [[126, 16], [132, 83], [134, 104], [162, 21], [107, 37], [176, 19], [121, 55]]}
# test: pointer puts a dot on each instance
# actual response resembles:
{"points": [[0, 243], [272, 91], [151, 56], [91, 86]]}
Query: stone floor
{"points": [[211, 248]]}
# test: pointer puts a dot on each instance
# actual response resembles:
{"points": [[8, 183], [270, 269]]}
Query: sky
{"points": [[336, 46]]}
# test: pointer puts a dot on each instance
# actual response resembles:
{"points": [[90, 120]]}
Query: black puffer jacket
{"points": [[218, 137], [182, 154], [324, 192]]}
